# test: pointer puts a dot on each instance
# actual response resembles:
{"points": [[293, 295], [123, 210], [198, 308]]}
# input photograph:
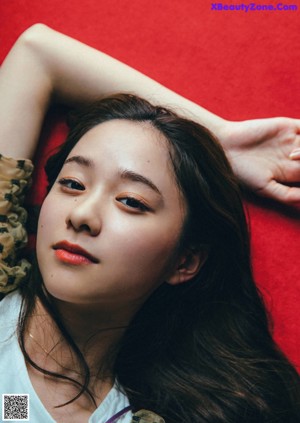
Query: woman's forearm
{"points": [[45, 64], [83, 73]]}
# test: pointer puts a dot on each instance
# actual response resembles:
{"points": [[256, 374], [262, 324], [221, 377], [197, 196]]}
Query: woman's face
{"points": [[110, 225]]}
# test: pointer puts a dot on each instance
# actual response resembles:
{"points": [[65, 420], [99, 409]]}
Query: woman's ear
{"points": [[187, 266]]}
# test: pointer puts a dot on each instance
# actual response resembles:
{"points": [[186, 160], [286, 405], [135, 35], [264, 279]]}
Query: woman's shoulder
{"points": [[10, 306], [9, 313]]}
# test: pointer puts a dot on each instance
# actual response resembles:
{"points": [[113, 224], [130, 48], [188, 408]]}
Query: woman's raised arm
{"points": [[44, 62], [45, 65], [25, 92]]}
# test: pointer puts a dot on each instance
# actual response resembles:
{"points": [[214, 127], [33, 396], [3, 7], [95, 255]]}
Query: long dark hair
{"points": [[200, 351]]}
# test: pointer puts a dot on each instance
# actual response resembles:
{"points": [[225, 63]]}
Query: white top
{"points": [[14, 378]]}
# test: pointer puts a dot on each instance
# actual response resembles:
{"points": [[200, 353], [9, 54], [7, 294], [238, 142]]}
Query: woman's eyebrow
{"points": [[136, 177], [81, 160], [125, 174]]}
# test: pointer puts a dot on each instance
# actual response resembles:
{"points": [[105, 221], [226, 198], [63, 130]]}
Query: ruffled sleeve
{"points": [[15, 176], [146, 416]]}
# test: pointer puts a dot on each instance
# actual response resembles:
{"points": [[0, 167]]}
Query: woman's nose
{"points": [[84, 216]]}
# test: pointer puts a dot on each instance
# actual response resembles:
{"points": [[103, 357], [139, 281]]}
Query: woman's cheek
{"points": [[50, 221], [144, 242]]}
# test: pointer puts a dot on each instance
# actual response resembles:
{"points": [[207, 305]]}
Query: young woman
{"points": [[142, 294]]}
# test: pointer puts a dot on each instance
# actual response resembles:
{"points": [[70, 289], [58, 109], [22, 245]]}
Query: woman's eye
{"points": [[71, 184], [133, 203]]}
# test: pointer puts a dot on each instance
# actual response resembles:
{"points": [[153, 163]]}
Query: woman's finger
{"points": [[295, 154], [283, 193]]}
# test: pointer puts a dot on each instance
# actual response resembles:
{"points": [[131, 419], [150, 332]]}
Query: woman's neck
{"points": [[95, 333]]}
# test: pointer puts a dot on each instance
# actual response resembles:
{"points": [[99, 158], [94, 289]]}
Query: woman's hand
{"points": [[260, 152]]}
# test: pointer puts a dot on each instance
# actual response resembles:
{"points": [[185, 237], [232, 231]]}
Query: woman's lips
{"points": [[73, 254]]}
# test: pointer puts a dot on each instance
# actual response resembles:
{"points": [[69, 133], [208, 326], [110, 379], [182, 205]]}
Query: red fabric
{"points": [[239, 65]]}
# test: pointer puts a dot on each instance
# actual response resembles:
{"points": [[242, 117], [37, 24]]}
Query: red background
{"points": [[239, 65]]}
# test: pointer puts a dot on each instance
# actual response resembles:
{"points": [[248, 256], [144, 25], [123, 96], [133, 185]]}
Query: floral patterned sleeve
{"points": [[15, 176], [146, 416]]}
